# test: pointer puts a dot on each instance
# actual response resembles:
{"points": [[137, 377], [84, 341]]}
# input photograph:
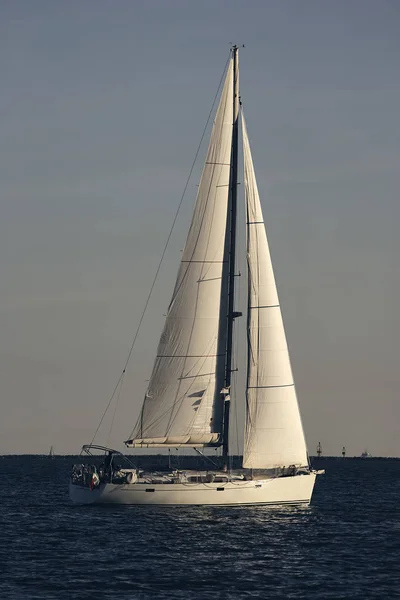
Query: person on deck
{"points": [[108, 464]]}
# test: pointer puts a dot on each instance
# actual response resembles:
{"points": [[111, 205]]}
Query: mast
{"points": [[232, 248]]}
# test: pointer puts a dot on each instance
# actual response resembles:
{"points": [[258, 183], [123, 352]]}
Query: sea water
{"points": [[346, 545]]}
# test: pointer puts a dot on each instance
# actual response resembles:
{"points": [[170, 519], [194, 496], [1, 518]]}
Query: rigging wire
{"points": [[115, 408], [251, 285], [121, 377], [237, 334]]}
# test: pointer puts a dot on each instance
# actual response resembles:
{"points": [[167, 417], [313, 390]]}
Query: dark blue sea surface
{"points": [[345, 545]]}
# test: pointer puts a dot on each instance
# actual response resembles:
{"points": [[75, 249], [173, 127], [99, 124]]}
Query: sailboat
{"points": [[187, 402]]}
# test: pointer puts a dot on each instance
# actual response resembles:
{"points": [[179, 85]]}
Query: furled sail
{"points": [[274, 434], [188, 373]]}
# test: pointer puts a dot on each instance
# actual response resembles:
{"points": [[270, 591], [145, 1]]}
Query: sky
{"points": [[102, 106]]}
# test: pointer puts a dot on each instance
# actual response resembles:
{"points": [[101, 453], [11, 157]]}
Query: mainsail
{"points": [[188, 373], [274, 434]]}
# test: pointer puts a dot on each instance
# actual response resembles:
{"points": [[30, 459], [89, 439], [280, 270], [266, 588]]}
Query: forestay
{"points": [[188, 374], [274, 434]]}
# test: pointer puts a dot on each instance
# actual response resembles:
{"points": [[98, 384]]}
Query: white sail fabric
{"points": [[188, 373], [274, 434]]}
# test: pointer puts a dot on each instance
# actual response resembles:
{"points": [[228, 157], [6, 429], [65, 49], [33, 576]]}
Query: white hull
{"points": [[280, 490]]}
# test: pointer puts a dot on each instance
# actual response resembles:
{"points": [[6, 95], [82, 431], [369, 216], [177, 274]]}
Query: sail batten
{"points": [[188, 373], [274, 434]]}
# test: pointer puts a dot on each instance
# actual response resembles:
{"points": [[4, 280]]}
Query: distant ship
{"points": [[365, 454]]}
